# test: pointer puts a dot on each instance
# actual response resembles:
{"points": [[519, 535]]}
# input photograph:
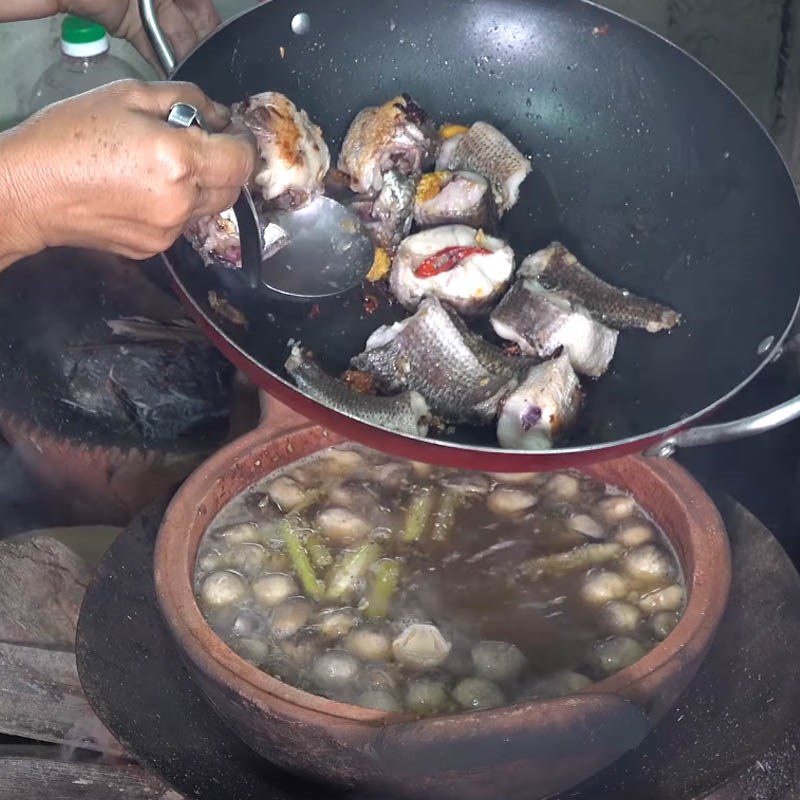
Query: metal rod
{"points": [[158, 39], [729, 431]]}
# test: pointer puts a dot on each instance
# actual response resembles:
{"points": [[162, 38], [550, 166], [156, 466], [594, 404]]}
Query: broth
{"points": [[406, 587]]}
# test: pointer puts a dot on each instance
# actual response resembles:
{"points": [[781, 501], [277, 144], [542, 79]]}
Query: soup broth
{"points": [[406, 587]]}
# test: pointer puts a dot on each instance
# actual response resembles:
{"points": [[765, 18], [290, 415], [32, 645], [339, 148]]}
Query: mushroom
{"points": [[616, 653], [558, 684], [635, 533], [223, 588], [342, 525], [255, 651], [302, 649], [426, 695], [616, 507], [648, 563], [241, 532], [563, 486], [273, 588], [587, 526], [210, 561], [421, 646], [286, 493], [289, 617], [337, 622], [247, 558], [335, 670], [497, 661], [515, 478], [369, 644], [380, 700], [509, 502], [478, 693], [619, 617], [600, 586], [342, 461], [248, 623], [669, 599], [662, 624]]}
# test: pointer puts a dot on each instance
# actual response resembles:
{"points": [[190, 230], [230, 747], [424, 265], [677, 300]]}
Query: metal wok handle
{"points": [[729, 431], [157, 37]]}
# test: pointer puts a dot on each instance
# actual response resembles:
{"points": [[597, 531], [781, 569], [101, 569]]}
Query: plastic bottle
{"points": [[85, 64]]}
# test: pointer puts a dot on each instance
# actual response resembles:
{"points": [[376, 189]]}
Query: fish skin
{"points": [[556, 268], [541, 322], [466, 198], [544, 404], [430, 354], [387, 218], [487, 151], [397, 135], [405, 413]]}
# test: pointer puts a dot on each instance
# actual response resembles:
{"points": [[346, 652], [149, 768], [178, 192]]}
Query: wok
{"points": [[645, 165]]}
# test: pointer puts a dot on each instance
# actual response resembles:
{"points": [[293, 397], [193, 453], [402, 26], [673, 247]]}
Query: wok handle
{"points": [[157, 37], [729, 431]]}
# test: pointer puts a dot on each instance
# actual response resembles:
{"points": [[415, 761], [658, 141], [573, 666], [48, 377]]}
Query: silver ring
{"points": [[183, 115]]}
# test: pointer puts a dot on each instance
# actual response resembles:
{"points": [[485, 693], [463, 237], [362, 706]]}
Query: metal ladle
{"points": [[316, 251]]}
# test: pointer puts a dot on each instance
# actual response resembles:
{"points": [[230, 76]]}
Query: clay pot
{"points": [[527, 750]]}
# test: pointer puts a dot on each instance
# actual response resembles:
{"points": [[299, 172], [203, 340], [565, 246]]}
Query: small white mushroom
{"points": [[210, 561], [335, 669], [223, 588], [601, 586], [342, 525], [515, 478], [467, 483], [497, 661], [369, 644], [375, 677], [426, 695], [587, 526], [669, 599], [302, 650], [351, 493], [337, 622], [559, 684], [341, 461], [616, 507], [286, 493], [648, 563], [619, 617], [379, 699], [421, 647], [509, 502], [391, 474], [241, 532], [662, 624], [634, 534], [563, 486], [477, 693], [247, 558], [273, 588], [248, 623], [255, 651], [612, 655], [289, 617], [421, 469]]}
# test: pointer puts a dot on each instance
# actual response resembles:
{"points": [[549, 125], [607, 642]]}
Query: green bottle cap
{"points": [[81, 38]]}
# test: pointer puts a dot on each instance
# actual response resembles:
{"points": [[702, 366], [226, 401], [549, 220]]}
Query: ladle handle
{"points": [[729, 431], [158, 39]]}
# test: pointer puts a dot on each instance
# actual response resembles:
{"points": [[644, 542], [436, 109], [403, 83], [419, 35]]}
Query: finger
{"points": [[178, 29], [202, 16], [158, 98], [212, 201], [223, 160]]}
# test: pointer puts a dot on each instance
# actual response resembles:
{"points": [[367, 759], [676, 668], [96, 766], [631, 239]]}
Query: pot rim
{"points": [[708, 584]]}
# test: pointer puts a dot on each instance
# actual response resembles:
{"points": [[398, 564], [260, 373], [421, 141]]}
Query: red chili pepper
{"points": [[371, 304], [446, 259], [314, 311]]}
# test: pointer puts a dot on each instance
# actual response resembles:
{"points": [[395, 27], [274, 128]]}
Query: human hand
{"points": [[105, 170], [185, 22]]}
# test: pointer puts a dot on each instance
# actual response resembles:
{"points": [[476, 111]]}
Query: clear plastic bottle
{"points": [[85, 64]]}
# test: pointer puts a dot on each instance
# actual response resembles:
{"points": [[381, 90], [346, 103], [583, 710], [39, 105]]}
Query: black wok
{"points": [[645, 165]]}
